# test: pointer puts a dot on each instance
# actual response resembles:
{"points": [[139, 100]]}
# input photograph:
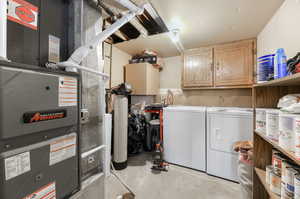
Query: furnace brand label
{"points": [[17, 165], [54, 49], [44, 116], [23, 13], [67, 88], [46, 192], [63, 148]]}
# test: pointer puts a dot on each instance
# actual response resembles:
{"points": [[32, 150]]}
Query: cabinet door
{"points": [[198, 68], [153, 80], [143, 77], [234, 64]]}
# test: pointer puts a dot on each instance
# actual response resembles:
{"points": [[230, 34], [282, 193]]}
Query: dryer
{"points": [[225, 126]]}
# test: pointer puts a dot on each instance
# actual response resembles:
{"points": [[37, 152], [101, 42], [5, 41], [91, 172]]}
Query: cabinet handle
{"points": [[218, 65]]}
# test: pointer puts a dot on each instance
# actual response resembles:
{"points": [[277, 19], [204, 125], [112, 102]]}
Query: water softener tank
{"points": [[120, 132]]}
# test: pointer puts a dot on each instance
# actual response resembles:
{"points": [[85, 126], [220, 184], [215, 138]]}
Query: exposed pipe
{"points": [[98, 4], [94, 4], [79, 54], [131, 6], [106, 8], [3, 30], [70, 66], [73, 63]]}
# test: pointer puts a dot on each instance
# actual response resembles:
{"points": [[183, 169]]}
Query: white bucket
{"points": [[290, 176], [285, 166], [260, 123], [269, 169], [275, 183], [286, 131], [272, 124], [297, 136], [297, 185]]}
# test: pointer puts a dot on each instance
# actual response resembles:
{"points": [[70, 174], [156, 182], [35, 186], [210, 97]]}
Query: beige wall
{"points": [[172, 69], [282, 31], [119, 60], [170, 78]]}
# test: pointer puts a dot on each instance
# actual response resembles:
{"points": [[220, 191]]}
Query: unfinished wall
{"points": [[170, 78], [119, 60], [282, 31]]}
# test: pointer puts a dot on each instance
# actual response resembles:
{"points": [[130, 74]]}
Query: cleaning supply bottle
{"points": [[280, 64]]}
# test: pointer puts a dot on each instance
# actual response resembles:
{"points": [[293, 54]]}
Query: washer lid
{"points": [[230, 110], [186, 108]]}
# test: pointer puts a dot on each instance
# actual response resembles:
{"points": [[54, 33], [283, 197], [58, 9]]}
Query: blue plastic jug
{"points": [[280, 64]]}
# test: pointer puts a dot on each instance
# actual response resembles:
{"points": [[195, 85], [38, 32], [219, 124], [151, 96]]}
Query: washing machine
{"points": [[225, 126], [184, 136]]}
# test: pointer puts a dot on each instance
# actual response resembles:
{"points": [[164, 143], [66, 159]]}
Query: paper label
{"points": [[17, 165], [63, 148], [46, 192], [23, 13], [67, 89], [54, 49]]}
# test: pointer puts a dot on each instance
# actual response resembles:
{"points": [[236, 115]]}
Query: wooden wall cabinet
{"points": [[227, 65], [198, 67], [234, 64], [143, 77]]}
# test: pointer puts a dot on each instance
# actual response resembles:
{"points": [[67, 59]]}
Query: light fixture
{"points": [[174, 35]]}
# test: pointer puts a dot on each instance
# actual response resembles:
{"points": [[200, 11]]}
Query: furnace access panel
{"points": [[39, 127]]}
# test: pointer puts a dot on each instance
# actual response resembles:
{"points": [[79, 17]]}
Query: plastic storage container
{"points": [[280, 64], [286, 131], [261, 120], [272, 124], [266, 68]]}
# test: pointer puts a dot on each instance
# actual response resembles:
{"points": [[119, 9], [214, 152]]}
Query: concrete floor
{"points": [[177, 183]]}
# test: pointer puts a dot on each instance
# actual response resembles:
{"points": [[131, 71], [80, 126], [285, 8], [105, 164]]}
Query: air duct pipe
{"points": [[3, 29]]}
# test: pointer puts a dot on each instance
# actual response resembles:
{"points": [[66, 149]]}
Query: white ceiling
{"points": [[205, 22]]}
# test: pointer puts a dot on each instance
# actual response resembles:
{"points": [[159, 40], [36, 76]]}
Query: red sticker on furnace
{"points": [[23, 13]]}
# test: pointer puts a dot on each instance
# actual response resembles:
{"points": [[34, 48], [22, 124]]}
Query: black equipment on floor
{"points": [[152, 136], [136, 133]]}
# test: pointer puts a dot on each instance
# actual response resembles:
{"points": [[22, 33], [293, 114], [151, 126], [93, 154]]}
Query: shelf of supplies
{"points": [[290, 155], [262, 177], [291, 80]]}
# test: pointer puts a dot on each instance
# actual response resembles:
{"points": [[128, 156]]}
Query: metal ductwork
{"points": [[74, 61], [3, 29], [94, 4], [99, 5], [147, 23]]}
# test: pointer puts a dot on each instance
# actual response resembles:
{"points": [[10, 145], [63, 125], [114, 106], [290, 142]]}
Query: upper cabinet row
{"points": [[227, 65]]}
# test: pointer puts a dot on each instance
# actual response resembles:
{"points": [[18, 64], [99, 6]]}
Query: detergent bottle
{"points": [[280, 64]]}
